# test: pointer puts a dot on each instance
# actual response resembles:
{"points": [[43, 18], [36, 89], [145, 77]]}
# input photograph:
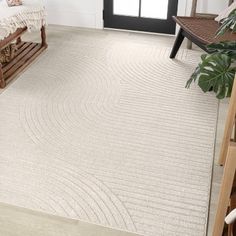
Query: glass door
{"points": [[142, 15]]}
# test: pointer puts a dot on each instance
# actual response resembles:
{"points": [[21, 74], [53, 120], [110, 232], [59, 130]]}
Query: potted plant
{"points": [[216, 71]]}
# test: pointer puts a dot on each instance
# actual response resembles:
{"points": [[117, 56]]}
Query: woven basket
{"points": [[8, 53]]}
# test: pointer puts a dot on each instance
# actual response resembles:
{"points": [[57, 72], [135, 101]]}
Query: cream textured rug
{"points": [[101, 129]]}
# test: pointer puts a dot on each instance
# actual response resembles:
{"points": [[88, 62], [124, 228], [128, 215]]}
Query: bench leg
{"points": [[179, 40], [43, 36], [189, 44], [2, 81], [18, 41]]}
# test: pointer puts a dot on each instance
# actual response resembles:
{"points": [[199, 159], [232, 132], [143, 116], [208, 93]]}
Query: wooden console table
{"points": [[26, 53]]}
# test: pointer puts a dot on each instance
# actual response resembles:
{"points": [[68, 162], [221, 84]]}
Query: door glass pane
{"points": [[126, 7], [154, 9]]}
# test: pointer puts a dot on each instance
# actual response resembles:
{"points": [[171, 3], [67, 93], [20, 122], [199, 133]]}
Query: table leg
{"points": [[225, 191]]}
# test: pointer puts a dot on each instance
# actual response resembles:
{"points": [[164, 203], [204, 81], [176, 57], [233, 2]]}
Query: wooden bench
{"points": [[26, 53], [200, 30], [194, 13]]}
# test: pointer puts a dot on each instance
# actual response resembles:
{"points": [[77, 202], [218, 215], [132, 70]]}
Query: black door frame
{"points": [[166, 26]]}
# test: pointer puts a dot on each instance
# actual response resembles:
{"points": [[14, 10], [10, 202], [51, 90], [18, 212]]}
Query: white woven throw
{"points": [[31, 15]]}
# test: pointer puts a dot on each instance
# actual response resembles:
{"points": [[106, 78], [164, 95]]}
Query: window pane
{"points": [[126, 7], [154, 9]]}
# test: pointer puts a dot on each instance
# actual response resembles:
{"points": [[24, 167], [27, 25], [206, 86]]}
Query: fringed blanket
{"points": [[31, 15]]}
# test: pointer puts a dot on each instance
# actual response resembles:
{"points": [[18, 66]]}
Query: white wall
{"points": [[88, 13], [83, 13], [209, 6]]}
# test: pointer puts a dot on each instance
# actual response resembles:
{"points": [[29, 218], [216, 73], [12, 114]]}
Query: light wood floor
{"points": [[15, 221], [218, 170]]}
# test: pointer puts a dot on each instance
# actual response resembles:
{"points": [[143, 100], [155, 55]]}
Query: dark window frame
{"points": [[165, 26]]}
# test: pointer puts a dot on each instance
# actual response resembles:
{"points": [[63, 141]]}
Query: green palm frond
{"points": [[227, 24], [215, 72]]}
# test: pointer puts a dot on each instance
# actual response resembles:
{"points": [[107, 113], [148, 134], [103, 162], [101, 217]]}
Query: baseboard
{"points": [[79, 19]]}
